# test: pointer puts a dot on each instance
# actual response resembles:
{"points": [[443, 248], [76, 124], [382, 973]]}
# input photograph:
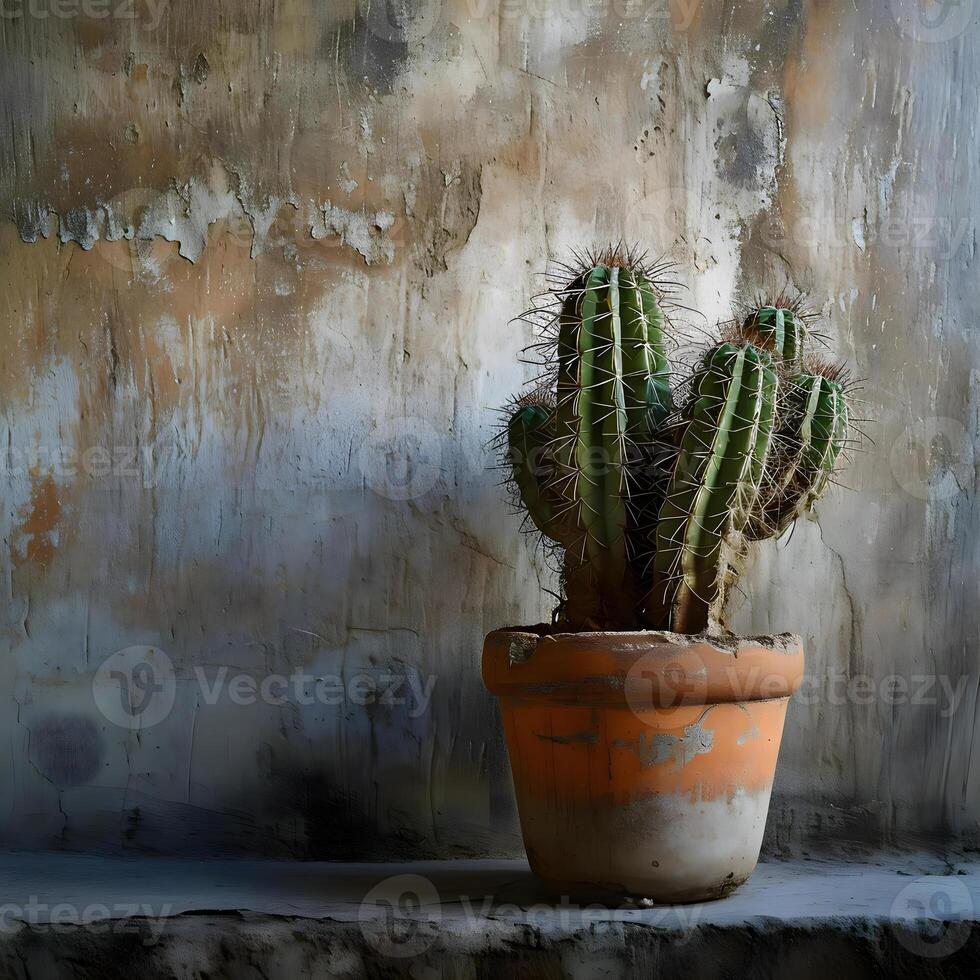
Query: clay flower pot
{"points": [[643, 762]]}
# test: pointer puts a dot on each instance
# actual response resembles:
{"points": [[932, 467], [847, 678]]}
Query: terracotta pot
{"points": [[642, 762]]}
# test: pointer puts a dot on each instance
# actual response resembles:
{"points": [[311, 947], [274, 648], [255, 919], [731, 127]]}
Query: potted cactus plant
{"points": [[642, 734]]}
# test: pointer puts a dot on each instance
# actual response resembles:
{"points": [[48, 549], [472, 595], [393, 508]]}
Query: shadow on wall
{"points": [[231, 729], [250, 621]]}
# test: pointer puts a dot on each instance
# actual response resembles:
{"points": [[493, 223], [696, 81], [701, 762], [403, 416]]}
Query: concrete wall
{"points": [[257, 262]]}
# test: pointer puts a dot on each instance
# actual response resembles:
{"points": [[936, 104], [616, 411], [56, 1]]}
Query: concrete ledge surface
{"points": [[73, 915]]}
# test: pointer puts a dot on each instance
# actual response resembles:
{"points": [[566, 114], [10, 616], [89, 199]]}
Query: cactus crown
{"points": [[653, 487]]}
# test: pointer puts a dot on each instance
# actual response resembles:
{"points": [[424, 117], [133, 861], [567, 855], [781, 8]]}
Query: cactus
{"points": [[531, 433], [612, 392], [780, 331], [727, 427], [653, 502], [807, 445]]}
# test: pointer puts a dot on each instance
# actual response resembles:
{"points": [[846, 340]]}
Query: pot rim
{"points": [[640, 668], [722, 640]]}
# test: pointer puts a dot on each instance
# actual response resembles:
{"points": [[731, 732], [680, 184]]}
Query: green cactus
{"points": [[807, 445], [531, 434], [727, 427], [653, 504], [612, 392], [778, 330]]}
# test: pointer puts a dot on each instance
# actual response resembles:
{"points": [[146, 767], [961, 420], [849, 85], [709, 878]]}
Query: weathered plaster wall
{"points": [[257, 264]]}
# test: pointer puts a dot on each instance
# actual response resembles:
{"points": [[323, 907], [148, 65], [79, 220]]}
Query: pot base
{"points": [[665, 847]]}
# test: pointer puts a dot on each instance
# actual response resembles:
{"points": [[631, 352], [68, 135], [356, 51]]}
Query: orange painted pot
{"points": [[642, 762]]}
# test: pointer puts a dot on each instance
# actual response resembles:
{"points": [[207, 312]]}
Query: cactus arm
{"points": [[676, 512], [646, 371], [811, 437], [828, 432], [635, 353], [783, 345], [778, 330], [761, 444], [530, 435], [713, 484], [802, 403], [655, 337]]}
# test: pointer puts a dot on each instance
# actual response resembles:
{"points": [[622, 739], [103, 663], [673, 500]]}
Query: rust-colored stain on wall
{"points": [[38, 533]]}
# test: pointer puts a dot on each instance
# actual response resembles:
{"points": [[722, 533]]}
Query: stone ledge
{"points": [[66, 915]]}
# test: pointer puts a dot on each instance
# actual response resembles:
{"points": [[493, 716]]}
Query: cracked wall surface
{"points": [[257, 263]]}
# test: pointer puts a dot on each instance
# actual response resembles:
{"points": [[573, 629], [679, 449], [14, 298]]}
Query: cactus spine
{"points": [[652, 502]]}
